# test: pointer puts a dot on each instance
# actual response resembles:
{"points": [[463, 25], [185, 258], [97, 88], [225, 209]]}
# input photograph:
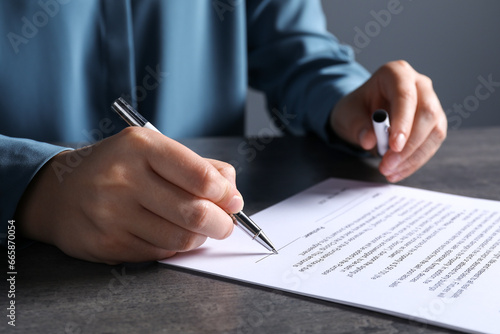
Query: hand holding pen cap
{"points": [[382, 127], [418, 122], [133, 118]]}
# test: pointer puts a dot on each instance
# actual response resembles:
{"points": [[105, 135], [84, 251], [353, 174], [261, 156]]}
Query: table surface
{"points": [[58, 294]]}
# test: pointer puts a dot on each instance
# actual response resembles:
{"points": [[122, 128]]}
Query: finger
{"points": [[429, 116], [121, 218], [367, 138], [184, 209], [147, 252], [400, 90], [184, 168], [135, 249], [226, 170], [164, 234], [419, 157], [354, 126], [121, 246], [392, 161]]}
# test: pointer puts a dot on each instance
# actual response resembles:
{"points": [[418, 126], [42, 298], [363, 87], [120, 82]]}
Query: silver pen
{"points": [[133, 118]]}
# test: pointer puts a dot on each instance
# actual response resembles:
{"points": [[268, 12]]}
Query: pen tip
{"points": [[275, 251]]}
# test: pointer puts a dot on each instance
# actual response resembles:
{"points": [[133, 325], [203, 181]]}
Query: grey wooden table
{"points": [[58, 294]]}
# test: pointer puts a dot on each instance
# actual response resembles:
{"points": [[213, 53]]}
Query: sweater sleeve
{"points": [[20, 160], [298, 64]]}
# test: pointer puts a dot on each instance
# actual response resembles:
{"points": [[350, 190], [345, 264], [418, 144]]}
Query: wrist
{"points": [[37, 208]]}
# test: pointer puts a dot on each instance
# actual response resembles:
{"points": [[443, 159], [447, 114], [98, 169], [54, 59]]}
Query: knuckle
{"points": [[105, 209], [435, 116], [406, 93], [428, 112], [228, 170], [396, 66], [426, 80], [186, 241], [432, 110], [402, 64], [197, 217], [207, 179], [136, 137], [99, 210], [441, 131], [400, 70], [210, 185]]}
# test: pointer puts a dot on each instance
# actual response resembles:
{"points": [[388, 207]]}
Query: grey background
{"points": [[454, 42]]}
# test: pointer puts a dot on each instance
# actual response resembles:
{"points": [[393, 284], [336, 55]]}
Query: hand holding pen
{"points": [[132, 197], [133, 118]]}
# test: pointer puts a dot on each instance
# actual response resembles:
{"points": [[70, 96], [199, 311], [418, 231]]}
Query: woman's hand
{"points": [[136, 196], [418, 122]]}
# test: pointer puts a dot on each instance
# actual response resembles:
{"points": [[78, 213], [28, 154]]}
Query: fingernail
{"points": [[236, 204], [400, 142]]}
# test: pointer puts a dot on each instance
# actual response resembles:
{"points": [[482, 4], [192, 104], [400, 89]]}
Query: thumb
{"points": [[352, 122]]}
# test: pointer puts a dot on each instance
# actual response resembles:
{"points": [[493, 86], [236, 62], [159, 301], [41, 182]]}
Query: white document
{"points": [[422, 255]]}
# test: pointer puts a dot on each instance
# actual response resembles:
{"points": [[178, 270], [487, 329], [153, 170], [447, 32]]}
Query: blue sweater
{"points": [[185, 64]]}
